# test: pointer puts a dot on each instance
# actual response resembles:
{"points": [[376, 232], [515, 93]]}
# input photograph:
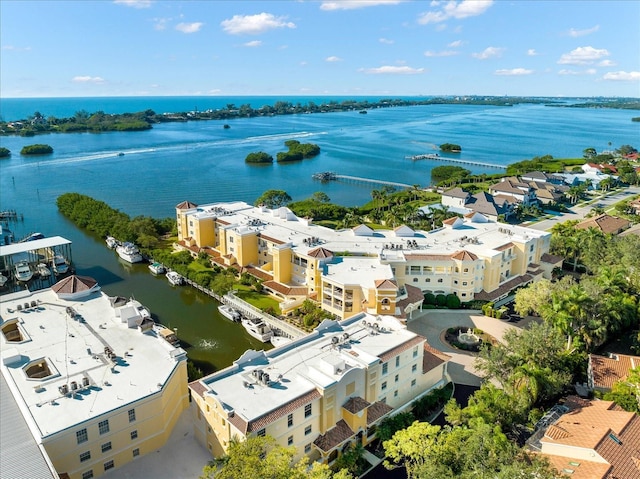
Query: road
{"points": [[579, 212]]}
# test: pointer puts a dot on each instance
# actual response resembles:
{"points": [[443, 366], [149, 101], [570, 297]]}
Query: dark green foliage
{"points": [[450, 147], [430, 403], [429, 298], [453, 302], [4, 152], [37, 149], [284, 156], [392, 424], [441, 300], [448, 173], [542, 163], [259, 157], [193, 372], [273, 199]]}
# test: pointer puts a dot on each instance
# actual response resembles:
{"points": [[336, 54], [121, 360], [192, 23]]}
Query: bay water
{"points": [[202, 162]]}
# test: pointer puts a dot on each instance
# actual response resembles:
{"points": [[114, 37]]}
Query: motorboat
{"points": [[43, 270], [230, 313], [111, 242], [258, 329], [143, 311], [3, 280], [129, 252], [23, 271], [175, 278], [278, 341], [167, 334], [59, 264], [32, 237], [157, 268]]}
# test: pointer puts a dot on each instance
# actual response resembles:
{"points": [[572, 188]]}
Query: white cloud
{"points": [[332, 59], [583, 56], [134, 3], [622, 76], [514, 72], [607, 63], [87, 79], [581, 33], [254, 43], [588, 71], [354, 4], [454, 9], [254, 24], [160, 23], [456, 44], [386, 41], [189, 27], [489, 52], [444, 53], [532, 52], [392, 70], [16, 49]]}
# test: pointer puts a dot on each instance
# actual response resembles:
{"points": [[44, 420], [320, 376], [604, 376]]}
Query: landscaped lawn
{"points": [[261, 301]]}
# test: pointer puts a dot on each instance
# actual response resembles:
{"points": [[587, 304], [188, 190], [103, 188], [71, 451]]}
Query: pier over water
{"points": [[436, 157], [331, 176]]}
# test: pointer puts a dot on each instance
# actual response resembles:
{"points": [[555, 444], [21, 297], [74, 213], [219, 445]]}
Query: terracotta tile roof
{"points": [[581, 469], [504, 289], [320, 253], [604, 223], [414, 296], [432, 358], [286, 290], [291, 406], [464, 255], [377, 410], [222, 222], [334, 437], [504, 246], [403, 347], [239, 423], [623, 454], [258, 273], [551, 258], [186, 205], [74, 284], [356, 404], [198, 388], [386, 284], [269, 238], [450, 221], [605, 371]]}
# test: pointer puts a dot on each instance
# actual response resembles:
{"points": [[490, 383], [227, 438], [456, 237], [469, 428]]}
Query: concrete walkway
{"points": [[434, 322]]}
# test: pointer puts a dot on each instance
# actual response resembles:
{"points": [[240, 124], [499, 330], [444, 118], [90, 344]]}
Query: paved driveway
{"points": [[433, 323]]}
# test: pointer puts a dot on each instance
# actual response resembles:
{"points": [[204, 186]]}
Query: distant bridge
{"points": [[330, 176]]}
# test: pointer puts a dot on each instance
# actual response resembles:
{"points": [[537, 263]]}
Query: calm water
{"points": [[202, 162]]}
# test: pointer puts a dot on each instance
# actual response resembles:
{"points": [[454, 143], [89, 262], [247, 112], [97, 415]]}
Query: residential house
{"points": [[542, 177], [322, 392], [604, 371], [605, 223], [513, 187]]}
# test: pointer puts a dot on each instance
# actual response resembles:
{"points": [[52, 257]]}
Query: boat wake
{"points": [[207, 344]]}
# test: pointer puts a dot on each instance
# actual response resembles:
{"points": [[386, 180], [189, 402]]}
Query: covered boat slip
{"points": [[34, 252]]}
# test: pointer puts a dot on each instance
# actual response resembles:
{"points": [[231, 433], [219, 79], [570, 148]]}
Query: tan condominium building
{"points": [[358, 270], [95, 381], [321, 392]]}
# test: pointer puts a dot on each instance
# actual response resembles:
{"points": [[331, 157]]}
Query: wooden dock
{"points": [[436, 157], [330, 176]]}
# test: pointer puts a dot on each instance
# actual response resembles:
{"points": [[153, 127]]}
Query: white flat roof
{"points": [[16, 248], [490, 234], [305, 364], [75, 349]]}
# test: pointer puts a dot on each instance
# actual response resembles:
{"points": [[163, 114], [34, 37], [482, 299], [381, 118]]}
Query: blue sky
{"points": [[361, 47]]}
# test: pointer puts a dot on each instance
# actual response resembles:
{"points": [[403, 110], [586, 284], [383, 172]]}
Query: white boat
{"points": [[143, 311], [230, 313], [43, 270], [111, 242], [167, 334], [278, 341], [23, 271], [129, 252], [59, 264], [258, 329], [174, 278], [157, 268], [3, 280]]}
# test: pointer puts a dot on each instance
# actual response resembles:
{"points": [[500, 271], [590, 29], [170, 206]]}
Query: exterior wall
{"points": [[453, 201], [573, 452], [395, 386], [282, 264], [385, 301], [201, 230], [181, 222], [155, 417], [247, 250]]}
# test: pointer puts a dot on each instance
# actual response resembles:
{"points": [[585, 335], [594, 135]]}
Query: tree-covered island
{"points": [[5, 152], [450, 148], [37, 149]]}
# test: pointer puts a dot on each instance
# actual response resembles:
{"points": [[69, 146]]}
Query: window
{"points": [[290, 420], [88, 474], [307, 430], [106, 446], [109, 465], [384, 385], [262, 432], [415, 280], [466, 270], [455, 281], [395, 394], [85, 456], [415, 352], [397, 361], [414, 368], [307, 410], [103, 426], [136, 452], [428, 280], [413, 382], [464, 283], [132, 415], [397, 378], [82, 436], [385, 368], [134, 434], [439, 280], [290, 441], [307, 448]]}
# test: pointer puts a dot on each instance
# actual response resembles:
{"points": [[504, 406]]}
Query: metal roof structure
{"points": [[26, 246]]}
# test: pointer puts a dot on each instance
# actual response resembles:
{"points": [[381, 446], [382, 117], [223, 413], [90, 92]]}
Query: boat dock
{"points": [[330, 176], [435, 156]]}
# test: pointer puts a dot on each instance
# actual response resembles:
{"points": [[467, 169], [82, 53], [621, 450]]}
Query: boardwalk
{"points": [[436, 157], [330, 176]]}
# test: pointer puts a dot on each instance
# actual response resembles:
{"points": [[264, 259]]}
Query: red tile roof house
{"points": [[586, 439], [605, 223], [604, 371]]}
